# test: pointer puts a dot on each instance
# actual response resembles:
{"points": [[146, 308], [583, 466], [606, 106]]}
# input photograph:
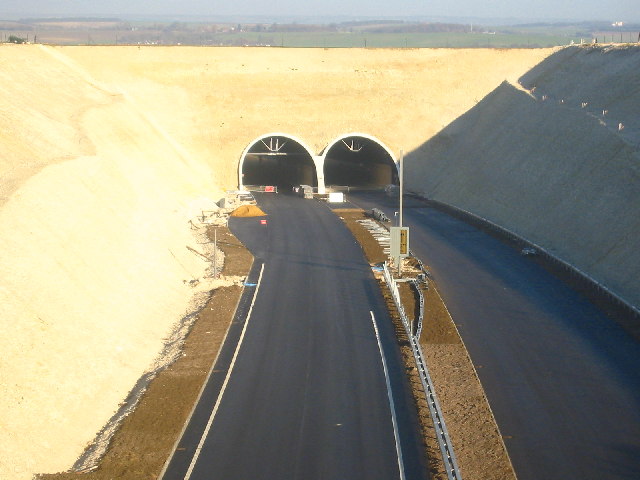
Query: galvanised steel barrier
{"points": [[444, 442], [416, 285]]}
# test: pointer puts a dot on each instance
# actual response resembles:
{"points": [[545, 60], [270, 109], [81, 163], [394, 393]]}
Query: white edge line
{"points": [[202, 389], [391, 403], [224, 385]]}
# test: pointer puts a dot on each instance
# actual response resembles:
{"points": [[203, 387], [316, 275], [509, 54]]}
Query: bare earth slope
{"points": [[545, 162], [216, 101], [107, 152], [93, 229]]}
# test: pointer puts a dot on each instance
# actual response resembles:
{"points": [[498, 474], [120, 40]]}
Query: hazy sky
{"points": [[609, 10]]}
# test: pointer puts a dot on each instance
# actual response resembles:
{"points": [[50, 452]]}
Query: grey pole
{"points": [[399, 259], [401, 182]]}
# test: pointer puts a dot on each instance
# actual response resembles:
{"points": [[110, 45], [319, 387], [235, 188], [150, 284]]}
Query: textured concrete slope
{"points": [[538, 162]]}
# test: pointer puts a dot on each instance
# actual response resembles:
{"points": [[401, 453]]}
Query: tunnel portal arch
{"points": [[359, 160], [277, 159]]}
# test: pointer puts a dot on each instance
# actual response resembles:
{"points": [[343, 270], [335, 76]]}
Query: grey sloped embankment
{"points": [[556, 160]]}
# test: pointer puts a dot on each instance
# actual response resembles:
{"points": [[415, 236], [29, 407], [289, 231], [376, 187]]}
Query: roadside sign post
{"points": [[400, 234], [399, 245]]}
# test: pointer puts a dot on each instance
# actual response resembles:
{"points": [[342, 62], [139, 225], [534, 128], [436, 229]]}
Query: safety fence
{"points": [[446, 449]]}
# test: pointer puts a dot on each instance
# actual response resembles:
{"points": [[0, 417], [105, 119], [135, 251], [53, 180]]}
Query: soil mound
{"points": [[248, 211]]}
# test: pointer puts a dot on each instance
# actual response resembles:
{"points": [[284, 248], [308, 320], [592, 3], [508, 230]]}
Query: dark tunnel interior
{"points": [[279, 161], [359, 162]]}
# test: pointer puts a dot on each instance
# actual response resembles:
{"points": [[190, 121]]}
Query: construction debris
{"points": [[248, 211]]}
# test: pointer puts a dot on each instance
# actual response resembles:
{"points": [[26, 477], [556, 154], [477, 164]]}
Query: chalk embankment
{"points": [[107, 152], [555, 159], [94, 205]]}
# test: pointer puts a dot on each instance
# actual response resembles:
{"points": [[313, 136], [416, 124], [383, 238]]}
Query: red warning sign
{"points": [[263, 222], [269, 188]]}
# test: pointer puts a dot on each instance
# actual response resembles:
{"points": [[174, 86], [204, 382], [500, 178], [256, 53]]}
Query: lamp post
{"points": [[400, 234], [401, 183]]}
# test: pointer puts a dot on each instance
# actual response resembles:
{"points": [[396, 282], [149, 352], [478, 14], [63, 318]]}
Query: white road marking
{"points": [[391, 403], [224, 385]]}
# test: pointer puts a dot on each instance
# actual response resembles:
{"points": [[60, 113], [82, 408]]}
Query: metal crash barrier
{"points": [[446, 449]]}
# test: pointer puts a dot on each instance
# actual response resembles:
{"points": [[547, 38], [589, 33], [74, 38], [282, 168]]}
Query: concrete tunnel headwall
{"points": [[353, 159], [359, 160], [277, 159]]}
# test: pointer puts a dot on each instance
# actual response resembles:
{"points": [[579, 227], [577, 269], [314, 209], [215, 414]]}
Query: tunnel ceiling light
{"points": [[274, 144], [288, 154], [354, 146]]}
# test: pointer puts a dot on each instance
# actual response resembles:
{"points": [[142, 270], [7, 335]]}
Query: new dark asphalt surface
{"points": [[562, 379], [307, 397]]}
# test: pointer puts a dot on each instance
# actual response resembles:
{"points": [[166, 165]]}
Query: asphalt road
{"points": [[562, 379], [307, 397]]}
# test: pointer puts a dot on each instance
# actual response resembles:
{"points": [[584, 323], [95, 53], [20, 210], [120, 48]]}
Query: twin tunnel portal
{"points": [[354, 160]]}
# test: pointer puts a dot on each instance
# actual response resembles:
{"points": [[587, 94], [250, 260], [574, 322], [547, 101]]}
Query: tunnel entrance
{"points": [[280, 160], [359, 161]]}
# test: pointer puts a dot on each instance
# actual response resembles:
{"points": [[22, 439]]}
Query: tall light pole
{"points": [[400, 235], [401, 183]]}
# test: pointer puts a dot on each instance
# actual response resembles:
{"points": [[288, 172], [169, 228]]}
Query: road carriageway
{"points": [[562, 379], [307, 397]]}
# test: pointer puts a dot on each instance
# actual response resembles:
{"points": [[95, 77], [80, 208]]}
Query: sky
{"points": [[605, 10]]}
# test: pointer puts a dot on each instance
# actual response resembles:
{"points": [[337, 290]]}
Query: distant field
{"points": [[396, 40], [92, 36], [105, 31]]}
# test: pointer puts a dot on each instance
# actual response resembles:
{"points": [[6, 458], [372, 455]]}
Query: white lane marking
{"points": [[224, 385], [202, 390], [391, 403]]}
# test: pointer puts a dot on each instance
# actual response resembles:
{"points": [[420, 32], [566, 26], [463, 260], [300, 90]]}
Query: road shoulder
{"points": [[477, 442]]}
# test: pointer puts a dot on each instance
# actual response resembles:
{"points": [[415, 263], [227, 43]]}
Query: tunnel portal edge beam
{"points": [[283, 135]]}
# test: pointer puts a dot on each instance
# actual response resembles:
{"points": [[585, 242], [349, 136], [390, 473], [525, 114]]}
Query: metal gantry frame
{"points": [[354, 147], [274, 146]]}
